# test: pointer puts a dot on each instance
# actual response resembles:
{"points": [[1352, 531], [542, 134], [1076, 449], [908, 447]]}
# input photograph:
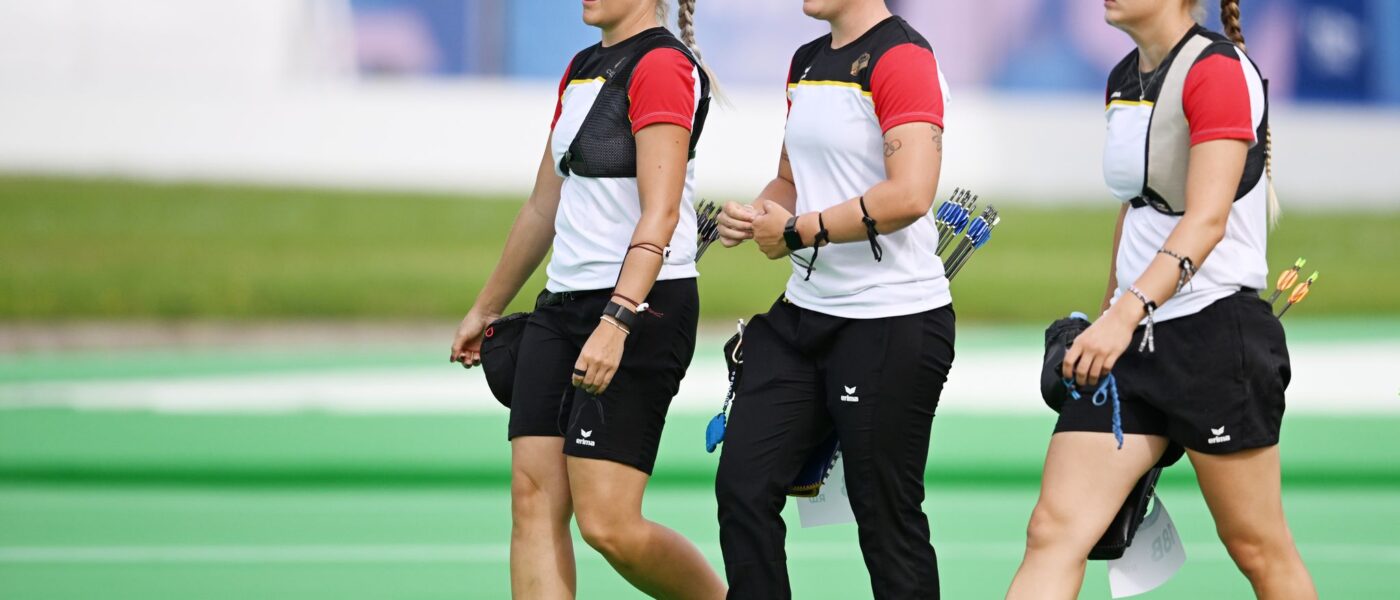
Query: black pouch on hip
{"points": [[500, 348], [1059, 336]]}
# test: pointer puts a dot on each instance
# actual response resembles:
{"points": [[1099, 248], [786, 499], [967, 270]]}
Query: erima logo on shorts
{"points": [[584, 441], [850, 395], [1220, 436]]}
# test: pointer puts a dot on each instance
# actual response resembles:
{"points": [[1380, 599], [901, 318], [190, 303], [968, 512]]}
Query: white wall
{"points": [[262, 94], [487, 137]]}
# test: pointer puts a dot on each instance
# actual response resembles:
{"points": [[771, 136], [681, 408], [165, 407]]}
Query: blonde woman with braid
{"points": [[611, 336], [1199, 361]]}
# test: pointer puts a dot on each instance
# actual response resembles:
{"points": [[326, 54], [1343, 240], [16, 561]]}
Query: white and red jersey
{"points": [[1224, 99], [840, 104], [597, 216]]}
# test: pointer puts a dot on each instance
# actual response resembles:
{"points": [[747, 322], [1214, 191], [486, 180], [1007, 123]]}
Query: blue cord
{"points": [[714, 432], [1108, 388]]}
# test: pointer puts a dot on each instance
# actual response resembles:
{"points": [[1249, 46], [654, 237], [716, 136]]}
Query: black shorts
{"points": [[1215, 384], [623, 424]]}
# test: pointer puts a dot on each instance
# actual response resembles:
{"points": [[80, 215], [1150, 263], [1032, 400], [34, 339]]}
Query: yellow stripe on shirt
{"points": [[844, 84], [1128, 103]]}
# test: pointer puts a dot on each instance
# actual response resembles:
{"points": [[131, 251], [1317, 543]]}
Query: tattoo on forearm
{"points": [[938, 138], [892, 146]]}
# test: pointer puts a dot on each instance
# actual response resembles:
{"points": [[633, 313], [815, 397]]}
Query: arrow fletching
{"points": [[1286, 279]]}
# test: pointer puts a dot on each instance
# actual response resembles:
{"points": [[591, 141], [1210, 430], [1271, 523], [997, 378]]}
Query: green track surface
{"points": [[83, 249], [313, 543], [137, 505], [144, 505]]}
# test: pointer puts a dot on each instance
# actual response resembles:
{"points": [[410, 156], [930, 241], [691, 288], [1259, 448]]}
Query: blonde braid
{"points": [[685, 22]]}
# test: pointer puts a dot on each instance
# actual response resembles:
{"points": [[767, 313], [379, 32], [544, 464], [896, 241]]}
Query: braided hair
{"points": [[1230, 19], [685, 23]]}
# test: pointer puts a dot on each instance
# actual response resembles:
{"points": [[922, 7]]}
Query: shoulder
{"points": [[1219, 46], [665, 58], [896, 33], [896, 49]]}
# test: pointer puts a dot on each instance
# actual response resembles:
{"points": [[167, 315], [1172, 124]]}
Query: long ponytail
{"points": [[685, 22], [1230, 19]]}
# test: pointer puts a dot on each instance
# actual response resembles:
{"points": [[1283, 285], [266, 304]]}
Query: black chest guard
{"points": [[604, 146]]}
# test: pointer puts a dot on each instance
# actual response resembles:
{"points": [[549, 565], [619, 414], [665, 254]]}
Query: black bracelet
{"points": [[822, 238], [621, 314], [870, 232]]}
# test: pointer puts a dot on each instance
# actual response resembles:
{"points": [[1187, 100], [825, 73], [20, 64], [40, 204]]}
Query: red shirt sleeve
{"points": [[559, 102], [1216, 100], [662, 90], [905, 87]]}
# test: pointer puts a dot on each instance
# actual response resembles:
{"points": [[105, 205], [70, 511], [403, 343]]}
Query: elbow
{"points": [[1213, 227], [663, 218], [1208, 229], [917, 202]]}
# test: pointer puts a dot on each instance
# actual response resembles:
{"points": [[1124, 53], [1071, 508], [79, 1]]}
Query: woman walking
{"points": [[861, 342], [1200, 361], [613, 333]]}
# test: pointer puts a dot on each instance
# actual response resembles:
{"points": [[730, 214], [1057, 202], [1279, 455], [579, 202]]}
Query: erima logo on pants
{"points": [[1219, 438], [584, 441], [850, 395]]}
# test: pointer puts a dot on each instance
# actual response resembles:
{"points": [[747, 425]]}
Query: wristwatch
{"points": [[791, 236]]}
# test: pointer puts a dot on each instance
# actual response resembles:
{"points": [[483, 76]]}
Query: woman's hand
{"points": [[735, 224], [466, 346], [598, 361], [768, 227], [1095, 351]]}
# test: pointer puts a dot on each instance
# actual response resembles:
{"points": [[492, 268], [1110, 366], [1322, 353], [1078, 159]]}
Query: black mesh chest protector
{"points": [[604, 145]]}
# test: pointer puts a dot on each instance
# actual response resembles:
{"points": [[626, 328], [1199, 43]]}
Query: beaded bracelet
{"points": [[1188, 268], [1147, 339]]}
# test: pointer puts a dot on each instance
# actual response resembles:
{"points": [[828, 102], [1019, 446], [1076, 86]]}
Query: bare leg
{"points": [[1085, 482], [541, 546], [1244, 494], [654, 559]]}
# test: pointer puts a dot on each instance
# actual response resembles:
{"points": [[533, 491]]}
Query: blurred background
{"points": [[236, 238]]}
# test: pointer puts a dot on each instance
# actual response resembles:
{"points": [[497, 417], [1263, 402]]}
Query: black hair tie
{"points": [[823, 237], [870, 232]]}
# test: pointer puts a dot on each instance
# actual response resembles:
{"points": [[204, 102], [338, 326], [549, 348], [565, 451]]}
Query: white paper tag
{"points": [[1154, 557], [832, 506]]}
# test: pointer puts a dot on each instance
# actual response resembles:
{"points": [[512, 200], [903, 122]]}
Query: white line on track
{"points": [[1386, 554]]}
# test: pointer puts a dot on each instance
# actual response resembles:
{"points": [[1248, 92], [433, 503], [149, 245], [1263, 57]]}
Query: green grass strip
{"points": [[109, 249], [317, 449]]}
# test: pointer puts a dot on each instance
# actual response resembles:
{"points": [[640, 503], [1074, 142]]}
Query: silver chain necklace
{"points": [[1142, 87]]}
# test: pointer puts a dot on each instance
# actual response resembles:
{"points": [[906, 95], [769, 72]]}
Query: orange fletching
{"points": [[1287, 278], [1299, 293]]}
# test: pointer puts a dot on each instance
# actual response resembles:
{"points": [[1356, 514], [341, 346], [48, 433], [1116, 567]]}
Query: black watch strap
{"points": [[791, 237], [621, 314]]}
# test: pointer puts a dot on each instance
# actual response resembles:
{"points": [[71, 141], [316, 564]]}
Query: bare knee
{"points": [[1046, 529], [534, 504], [610, 536], [1251, 553]]}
